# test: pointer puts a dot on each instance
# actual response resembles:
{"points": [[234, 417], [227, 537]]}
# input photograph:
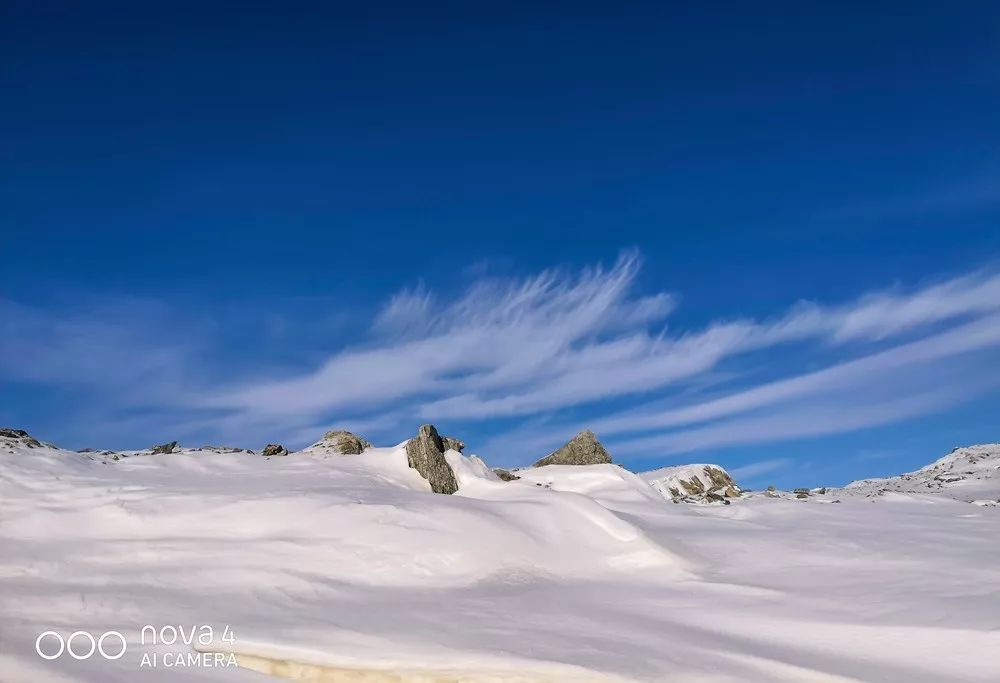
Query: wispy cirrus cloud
{"points": [[519, 355]]}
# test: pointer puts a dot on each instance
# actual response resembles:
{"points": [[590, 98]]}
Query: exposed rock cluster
{"points": [[273, 449], [344, 442], [694, 484], [582, 449], [20, 435]]}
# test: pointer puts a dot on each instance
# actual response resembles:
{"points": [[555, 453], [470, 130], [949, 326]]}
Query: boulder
{"points": [[164, 447], [274, 449], [505, 475], [582, 449], [425, 454], [344, 442]]}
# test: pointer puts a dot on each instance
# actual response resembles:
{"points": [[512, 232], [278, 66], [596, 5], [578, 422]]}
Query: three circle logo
{"points": [[86, 645]]}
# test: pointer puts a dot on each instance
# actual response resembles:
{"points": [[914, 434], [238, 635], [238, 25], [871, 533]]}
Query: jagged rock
{"points": [[164, 447], [452, 444], [582, 449], [273, 449], [693, 483], [693, 486], [345, 443], [21, 435], [719, 477], [425, 454], [505, 475]]}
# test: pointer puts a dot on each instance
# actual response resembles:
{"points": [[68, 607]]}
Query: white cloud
{"points": [[528, 349], [521, 347], [755, 469]]}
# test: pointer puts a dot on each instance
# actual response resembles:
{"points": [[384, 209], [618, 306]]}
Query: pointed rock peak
{"points": [[425, 454], [344, 442], [582, 449]]}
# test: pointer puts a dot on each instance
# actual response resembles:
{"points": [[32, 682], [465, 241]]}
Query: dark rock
{"points": [[164, 447], [452, 444], [345, 443], [425, 454], [21, 435], [505, 475], [582, 449], [273, 449]]}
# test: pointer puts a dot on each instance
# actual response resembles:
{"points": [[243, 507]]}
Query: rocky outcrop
{"points": [[505, 475], [582, 449], [425, 454], [344, 442], [694, 484], [20, 435], [164, 447], [452, 444], [272, 449]]}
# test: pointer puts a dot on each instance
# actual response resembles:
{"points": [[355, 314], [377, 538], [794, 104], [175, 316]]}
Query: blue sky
{"points": [[760, 236]]}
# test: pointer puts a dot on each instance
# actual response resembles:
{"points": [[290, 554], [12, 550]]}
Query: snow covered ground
{"points": [[332, 567]]}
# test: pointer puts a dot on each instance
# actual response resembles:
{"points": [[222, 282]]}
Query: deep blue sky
{"points": [[210, 198]]}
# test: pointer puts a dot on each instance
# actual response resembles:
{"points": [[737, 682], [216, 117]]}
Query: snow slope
{"points": [[346, 568], [971, 474]]}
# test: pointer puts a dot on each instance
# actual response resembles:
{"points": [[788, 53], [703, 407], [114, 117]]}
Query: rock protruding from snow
{"points": [[582, 449], [694, 484], [164, 448], [273, 449], [505, 475], [21, 436], [453, 444], [344, 442], [425, 454]]}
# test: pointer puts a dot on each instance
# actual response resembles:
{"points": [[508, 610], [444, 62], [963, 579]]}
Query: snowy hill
{"points": [[970, 474], [339, 566]]}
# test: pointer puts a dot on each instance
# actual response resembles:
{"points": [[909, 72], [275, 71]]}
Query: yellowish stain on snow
{"points": [[315, 673]]}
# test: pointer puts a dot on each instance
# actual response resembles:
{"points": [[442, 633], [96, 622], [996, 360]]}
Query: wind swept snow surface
{"points": [[347, 568]]}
